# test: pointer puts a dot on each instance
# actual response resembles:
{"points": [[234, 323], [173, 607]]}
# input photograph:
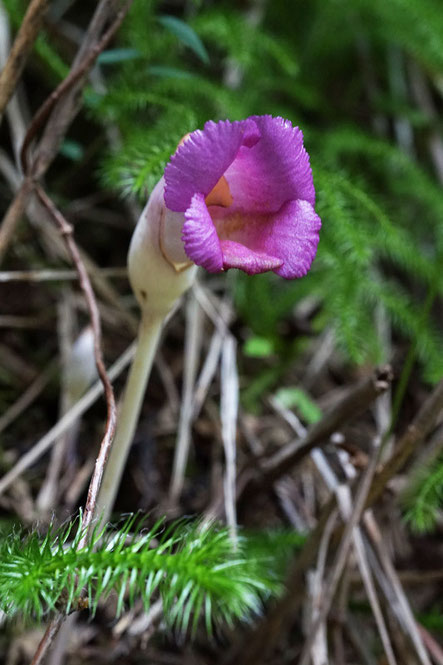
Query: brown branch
{"points": [[352, 404], [423, 423], [26, 36], [47, 640]]}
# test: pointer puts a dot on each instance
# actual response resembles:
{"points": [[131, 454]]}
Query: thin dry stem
{"points": [[193, 339], [229, 415], [55, 275], [48, 639], [67, 231]]}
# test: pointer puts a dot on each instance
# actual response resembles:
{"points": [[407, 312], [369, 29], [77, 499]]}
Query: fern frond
{"points": [[416, 26], [406, 179], [423, 500], [191, 567]]}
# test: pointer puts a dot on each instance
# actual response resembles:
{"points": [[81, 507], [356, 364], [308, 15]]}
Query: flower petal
{"points": [[202, 244], [289, 236], [202, 159], [294, 238], [236, 255], [275, 170]]}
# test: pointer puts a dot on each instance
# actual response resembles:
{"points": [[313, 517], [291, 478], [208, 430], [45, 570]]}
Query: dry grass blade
{"points": [[207, 373], [14, 109], [221, 319], [78, 373], [431, 644], [217, 311], [55, 275], [46, 497], [368, 582], [343, 551], [229, 413], [405, 613], [319, 648], [67, 93], [193, 338], [344, 500], [64, 102]]}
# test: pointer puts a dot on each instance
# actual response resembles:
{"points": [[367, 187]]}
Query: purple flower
{"points": [[247, 195]]}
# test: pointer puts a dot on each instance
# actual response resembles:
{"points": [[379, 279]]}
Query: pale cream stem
{"points": [[148, 337]]}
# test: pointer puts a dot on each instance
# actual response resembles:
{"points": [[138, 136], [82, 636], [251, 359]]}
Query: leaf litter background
{"points": [[364, 81]]}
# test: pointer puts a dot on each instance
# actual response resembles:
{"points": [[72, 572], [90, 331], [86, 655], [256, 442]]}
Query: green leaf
{"points": [[116, 55], [169, 72], [72, 150], [258, 347], [296, 398], [186, 35], [423, 498]]}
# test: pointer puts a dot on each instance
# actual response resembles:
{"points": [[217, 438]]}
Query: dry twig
{"points": [[229, 414], [26, 36], [55, 275], [193, 339]]}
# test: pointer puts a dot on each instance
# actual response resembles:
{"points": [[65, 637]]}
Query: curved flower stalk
{"points": [[160, 273], [234, 195]]}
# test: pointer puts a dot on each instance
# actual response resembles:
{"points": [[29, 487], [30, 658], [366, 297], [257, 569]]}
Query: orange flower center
{"points": [[220, 195]]}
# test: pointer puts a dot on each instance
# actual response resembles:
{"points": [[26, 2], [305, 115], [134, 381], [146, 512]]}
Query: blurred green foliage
{"points": [[424, 495]]}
